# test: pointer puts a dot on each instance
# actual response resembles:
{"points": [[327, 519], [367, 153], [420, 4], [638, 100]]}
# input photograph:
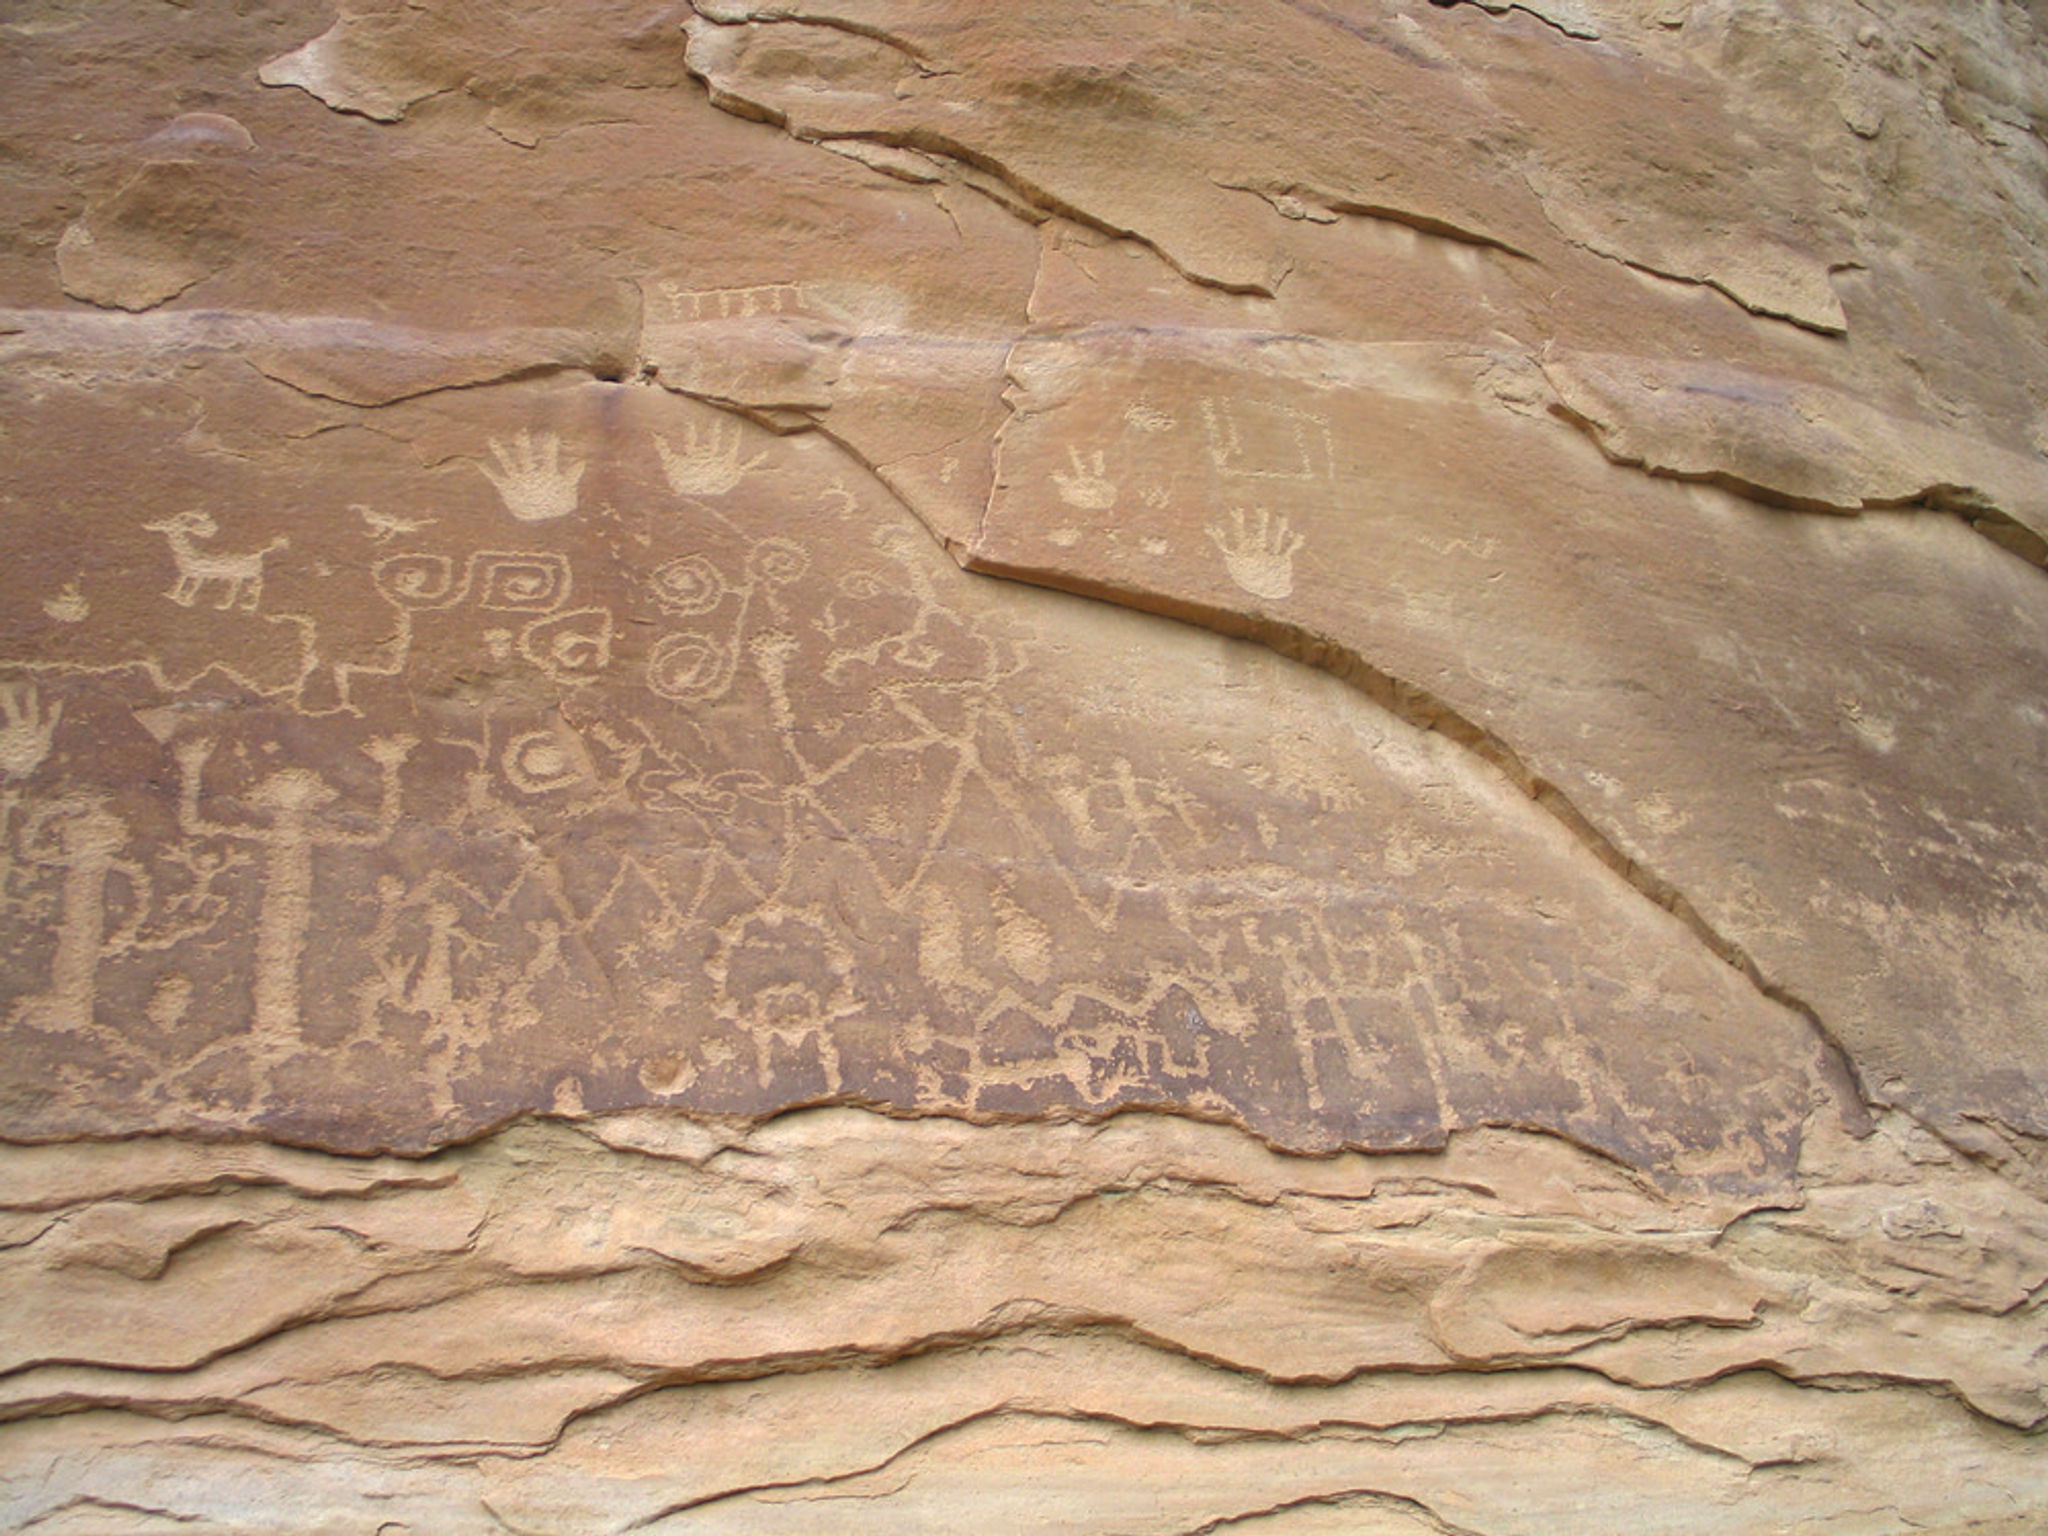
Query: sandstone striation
{"points": [[881, 764]]}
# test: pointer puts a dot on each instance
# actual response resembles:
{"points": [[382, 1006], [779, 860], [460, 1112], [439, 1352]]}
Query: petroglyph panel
{"points": [[719, 786], [486, 672], [1686, 671]]}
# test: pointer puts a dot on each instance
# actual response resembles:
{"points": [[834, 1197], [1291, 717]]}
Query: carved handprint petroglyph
{"points": [[1258, 551], [708, 463], [1088, 486], [532, 481], [241, 576], [25, 729]]}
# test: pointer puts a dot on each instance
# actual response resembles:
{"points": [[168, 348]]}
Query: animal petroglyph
{"points": [[27, 729], [534, 483], [1258, 551], [1088, 486], [1253, 440], [293, 799], [708, 463], [240, 576], [383, 527]]}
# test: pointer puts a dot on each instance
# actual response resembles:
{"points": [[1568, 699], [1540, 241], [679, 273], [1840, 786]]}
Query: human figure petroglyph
{"points": [[1286, 443], [420, 980], [784, 975], [293, 799], [1258, 551], [27, 729], [1088, 485], [84, 839], [708, 463], [533, 482], [240, 575]]}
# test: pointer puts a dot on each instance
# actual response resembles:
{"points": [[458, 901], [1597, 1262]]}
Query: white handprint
{"points": [[1087, 487], [532, 481], [708, 463], [1258, 552], [25, 729]]}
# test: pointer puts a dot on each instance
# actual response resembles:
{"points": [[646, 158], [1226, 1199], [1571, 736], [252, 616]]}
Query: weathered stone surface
{"points": [[584, 945], [1146, 1324]]}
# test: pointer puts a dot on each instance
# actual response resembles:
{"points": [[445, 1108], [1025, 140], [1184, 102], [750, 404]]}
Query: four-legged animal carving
{"points": [[241, 575]]}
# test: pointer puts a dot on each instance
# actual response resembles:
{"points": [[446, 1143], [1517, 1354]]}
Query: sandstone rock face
{"points": [[1163, 767]]}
